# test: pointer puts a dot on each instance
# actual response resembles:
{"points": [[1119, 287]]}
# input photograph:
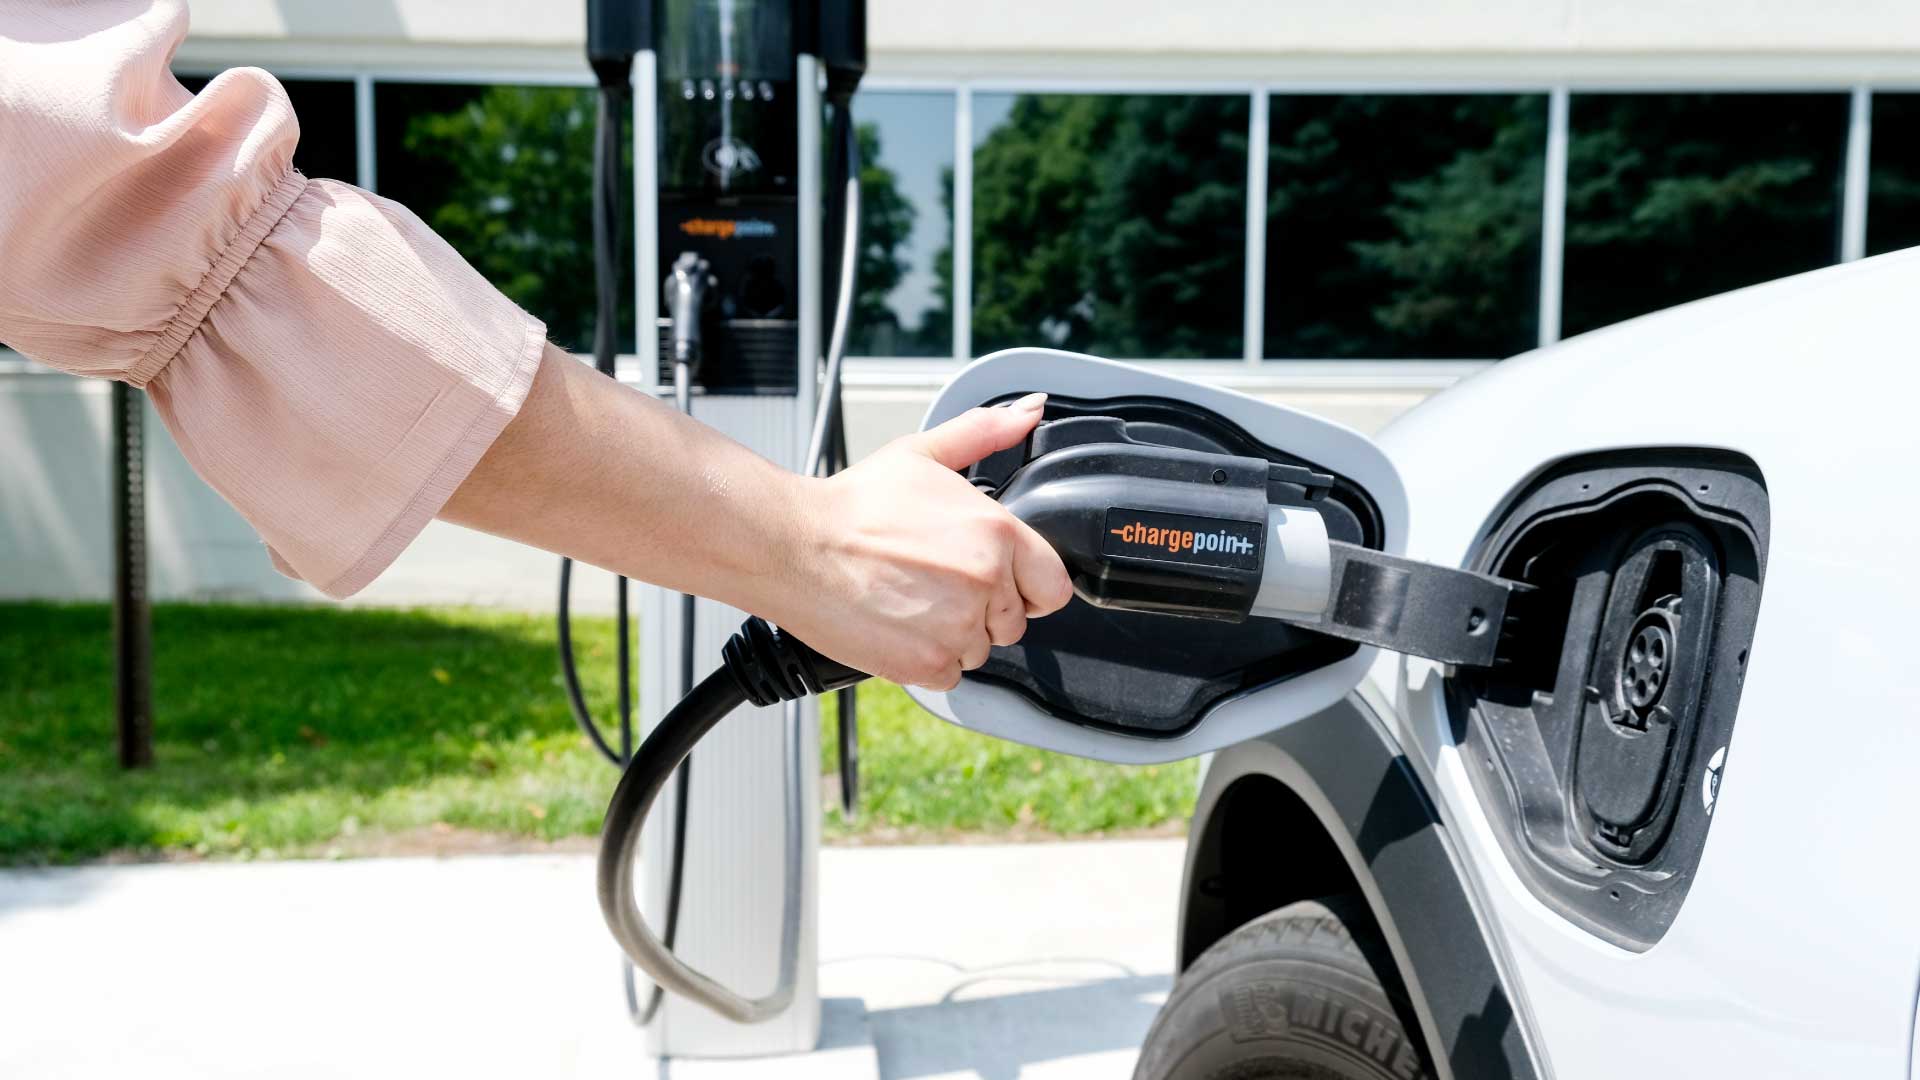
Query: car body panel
{"points": [[1797, 951], [1345, 766]]}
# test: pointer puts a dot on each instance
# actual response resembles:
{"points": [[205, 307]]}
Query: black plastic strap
{"points": [[1436, 612]]}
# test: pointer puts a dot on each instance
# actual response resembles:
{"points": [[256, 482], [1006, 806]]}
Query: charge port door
{"points": [[1598, 752]]}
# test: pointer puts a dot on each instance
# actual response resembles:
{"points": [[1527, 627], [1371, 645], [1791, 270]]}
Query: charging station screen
{"points": [[731, 40]]}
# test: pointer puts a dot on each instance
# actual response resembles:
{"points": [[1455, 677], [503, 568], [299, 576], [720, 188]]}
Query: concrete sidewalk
{"points": [[988, 962]]}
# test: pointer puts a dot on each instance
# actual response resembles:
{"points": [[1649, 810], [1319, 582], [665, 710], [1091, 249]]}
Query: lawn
{"points": [[320, 730]]}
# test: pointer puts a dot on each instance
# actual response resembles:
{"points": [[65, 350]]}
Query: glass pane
{"points": [[504, 173], [1403, 226], [904, 303], [327, 147], [1672, 197], [1110, 224], [1893, 177]]}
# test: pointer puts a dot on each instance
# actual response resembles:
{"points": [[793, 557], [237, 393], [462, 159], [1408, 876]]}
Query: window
{"points": [[1403, 226], [1672, 197], [504, 173], [1893, 177], [324, 107], [1113, 224], [1399, 226], [904, 301]]}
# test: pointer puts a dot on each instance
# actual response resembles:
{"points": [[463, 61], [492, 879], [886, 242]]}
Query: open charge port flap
{"points": [[1598, 754]]}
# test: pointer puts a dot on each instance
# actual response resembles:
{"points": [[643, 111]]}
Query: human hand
{"points": [[909, 572]]}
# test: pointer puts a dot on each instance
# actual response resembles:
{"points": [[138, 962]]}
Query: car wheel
{"points": [[1289, 996]]}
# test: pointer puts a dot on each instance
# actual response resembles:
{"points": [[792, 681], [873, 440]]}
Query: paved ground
{"points": [[989, 962]]}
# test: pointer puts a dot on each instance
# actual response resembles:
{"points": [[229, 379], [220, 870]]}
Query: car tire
{"points": [[1288, 996]]}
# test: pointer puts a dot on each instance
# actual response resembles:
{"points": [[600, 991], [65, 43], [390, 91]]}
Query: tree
{"points": [[505, 175], [1672, 197], [1458, 274], [886, 220], [1112, 224], [1402, 225]]}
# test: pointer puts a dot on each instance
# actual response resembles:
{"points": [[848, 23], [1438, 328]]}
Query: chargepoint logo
{"points": [[1179, 540], [1151, 534], [728, 228]]}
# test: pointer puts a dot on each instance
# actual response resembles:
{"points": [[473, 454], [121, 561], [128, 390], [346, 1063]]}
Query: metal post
{"points": [[366, 174], [1853, 203], [963, 224], [1253, 327], [132, 622], [1553, 228]]}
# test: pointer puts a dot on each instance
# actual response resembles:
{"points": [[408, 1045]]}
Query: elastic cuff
{"points": [[213, 284], [452, 471]]}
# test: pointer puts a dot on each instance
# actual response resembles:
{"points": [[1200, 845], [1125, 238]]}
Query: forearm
{"points": [[610, 476], [897, 567]]}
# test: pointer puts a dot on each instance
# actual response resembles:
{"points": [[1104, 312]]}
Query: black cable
{"points": [[761, 665], [847, 701], [570, 674], [844, 166]]}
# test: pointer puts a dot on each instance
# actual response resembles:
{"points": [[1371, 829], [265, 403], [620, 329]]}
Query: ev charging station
{"points": [[1268, 537], [727, 103]]}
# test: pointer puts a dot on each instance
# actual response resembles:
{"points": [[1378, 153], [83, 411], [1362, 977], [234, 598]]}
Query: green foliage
{"points": [[1672, 197], [1893, 184], [1403, 225], [1464, 257], [886, 220], [1112, 224], [505, 175], [922, 777], [288, 730]]}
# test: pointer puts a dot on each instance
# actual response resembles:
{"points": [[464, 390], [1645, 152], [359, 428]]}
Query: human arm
{"points": [[896, 566]]}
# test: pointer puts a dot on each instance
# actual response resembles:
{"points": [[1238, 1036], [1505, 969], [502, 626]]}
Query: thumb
{"points": [[976, 433]]}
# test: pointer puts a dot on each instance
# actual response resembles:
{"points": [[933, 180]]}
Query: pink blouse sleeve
{"points": [[329, 365]]}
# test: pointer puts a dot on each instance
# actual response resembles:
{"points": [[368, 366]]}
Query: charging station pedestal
{"points": [[755, 779], [745, 795]]}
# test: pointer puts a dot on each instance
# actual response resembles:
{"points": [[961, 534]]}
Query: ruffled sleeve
{"points": [[329, 365]]}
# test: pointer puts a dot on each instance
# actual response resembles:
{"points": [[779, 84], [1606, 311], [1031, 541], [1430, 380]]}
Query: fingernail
{"points": [[1031, 403]]}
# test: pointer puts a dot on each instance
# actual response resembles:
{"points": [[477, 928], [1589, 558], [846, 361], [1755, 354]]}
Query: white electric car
{"points": [[1669, 832]]}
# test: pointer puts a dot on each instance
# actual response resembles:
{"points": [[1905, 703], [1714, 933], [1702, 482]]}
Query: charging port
{"points": [[1590, 747]]}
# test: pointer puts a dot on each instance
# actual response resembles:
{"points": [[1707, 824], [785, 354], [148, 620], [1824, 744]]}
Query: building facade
{"points": [[1344, 207]]}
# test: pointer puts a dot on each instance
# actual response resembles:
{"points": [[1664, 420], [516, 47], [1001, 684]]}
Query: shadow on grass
{"points": [[282, 726]]}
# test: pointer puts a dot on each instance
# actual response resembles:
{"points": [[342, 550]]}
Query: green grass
{"points": [[920, 775], [287, 730]]}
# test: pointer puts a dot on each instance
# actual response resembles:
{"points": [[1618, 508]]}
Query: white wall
{"points": [[1778, 41]]}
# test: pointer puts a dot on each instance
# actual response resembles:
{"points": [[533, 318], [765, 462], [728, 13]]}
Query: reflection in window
{"points": [[1893, 176], [904, 305], [1112, 224], [1403, 226], [1672, 197], [324, 107], [504, 173]]}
